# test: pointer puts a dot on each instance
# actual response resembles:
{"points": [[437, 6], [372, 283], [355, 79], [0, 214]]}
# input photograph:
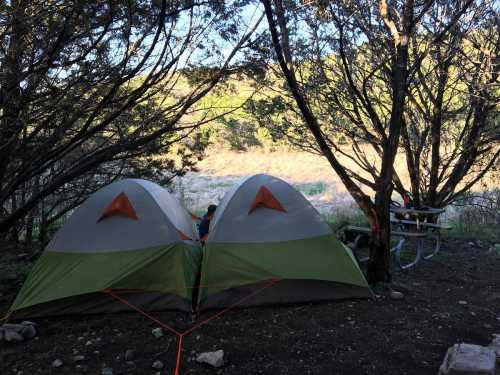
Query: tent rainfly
{"points": [[264, 229], [131, 236]]}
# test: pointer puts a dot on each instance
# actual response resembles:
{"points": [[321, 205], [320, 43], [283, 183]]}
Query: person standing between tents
{"points": [[204, 225]]}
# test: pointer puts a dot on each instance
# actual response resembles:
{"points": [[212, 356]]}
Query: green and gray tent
{"points": [[263, 230], [131, 237]]}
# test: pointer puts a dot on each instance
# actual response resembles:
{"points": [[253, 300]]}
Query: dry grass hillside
{"points": [[311, 174]]}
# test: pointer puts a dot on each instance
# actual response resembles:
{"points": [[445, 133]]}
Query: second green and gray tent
{"points": [[265, 230]]}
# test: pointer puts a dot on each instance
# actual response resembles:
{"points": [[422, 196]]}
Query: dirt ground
{"points": [[453, 298]]}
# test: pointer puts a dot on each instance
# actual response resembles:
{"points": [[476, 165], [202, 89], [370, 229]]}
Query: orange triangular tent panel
{"points": [[183, 236], [265, 198], [119, 206]]}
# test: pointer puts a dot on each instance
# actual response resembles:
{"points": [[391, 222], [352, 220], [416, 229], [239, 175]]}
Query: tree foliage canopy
{"points": [[92, 90], [351, 68]]}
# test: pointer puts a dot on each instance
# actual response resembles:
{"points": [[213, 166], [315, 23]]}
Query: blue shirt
{"points": [[204, 226]]}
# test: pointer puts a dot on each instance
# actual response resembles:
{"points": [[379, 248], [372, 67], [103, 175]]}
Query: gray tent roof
{"points": [[160, 216], [232, 222]]}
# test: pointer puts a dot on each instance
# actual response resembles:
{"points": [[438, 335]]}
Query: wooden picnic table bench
{"points": [[405, 235]]}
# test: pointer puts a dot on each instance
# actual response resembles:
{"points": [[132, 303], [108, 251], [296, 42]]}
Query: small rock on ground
{"points": [[28, 323], [157, 332], [495, 346], [157, 365], [395, 295], [401, 287], [57, 363], [25, 329], [215, 359], [13, 336], [107, 371], [28, 332], [13, 327], [129, 355], [468, 359]]}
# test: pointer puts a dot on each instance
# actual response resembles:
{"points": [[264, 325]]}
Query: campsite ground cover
{"points": [[453, 298]]}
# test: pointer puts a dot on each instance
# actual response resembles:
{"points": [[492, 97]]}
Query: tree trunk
{"points": [[10, 88], [380, 242], [14, 229], [30, 221], [412, 164], [42, 225]]}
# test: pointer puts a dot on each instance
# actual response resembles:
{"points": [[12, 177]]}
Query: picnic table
{"points": [[425, 211], [420, 220], [411, 226]]}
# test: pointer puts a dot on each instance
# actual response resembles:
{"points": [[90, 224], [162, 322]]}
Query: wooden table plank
{"points": [[421, 223], [415, 211], [393, 233]]}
